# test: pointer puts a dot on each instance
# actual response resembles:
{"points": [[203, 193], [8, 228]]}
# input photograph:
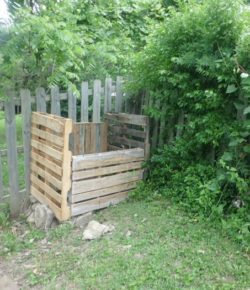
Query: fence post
{"points": [[85, 102], [1, 177], [71, 104], [40, 100], [118, 98], [97, 101], [55, 101], [10, 121], [26, 113], [108, 95]]}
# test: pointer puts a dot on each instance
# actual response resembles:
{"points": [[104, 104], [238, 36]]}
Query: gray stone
{"points": [[33, 199], [95, 230], [33, 206], [43, 217], [82, 220], [31, 218]]}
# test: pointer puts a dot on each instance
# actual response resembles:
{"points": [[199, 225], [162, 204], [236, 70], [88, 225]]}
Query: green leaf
{"points": [[246, 110], [227, 156], [231, 89], [246, 149]]}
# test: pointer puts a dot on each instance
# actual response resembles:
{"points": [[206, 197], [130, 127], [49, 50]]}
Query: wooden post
{"points": [[71, 104], [97, 101], [108, 95], [118, 98], [85, 102], [55, 101], [1, 177], [40, 100], [26, 114], [10, 121]]}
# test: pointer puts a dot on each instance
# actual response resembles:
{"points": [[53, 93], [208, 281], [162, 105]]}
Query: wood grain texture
{"points": [[133, 119], [97, 102], [85, 102], [40, 100], [55, 101]]}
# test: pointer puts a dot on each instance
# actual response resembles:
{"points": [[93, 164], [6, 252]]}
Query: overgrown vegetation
{"points": [[196, 65]]}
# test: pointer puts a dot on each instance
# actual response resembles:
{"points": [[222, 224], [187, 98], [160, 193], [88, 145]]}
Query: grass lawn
{"points": [[154, 246]]}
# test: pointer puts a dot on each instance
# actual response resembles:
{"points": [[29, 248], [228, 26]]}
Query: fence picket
{"points": [[55, 101], [1, 178], [97, 102], [40, 100], [71, 104], [26, 113], [108, 95], [10, 122], [118, 97], [85, 102]]}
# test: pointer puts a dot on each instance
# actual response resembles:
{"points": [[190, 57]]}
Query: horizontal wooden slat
{"points": [[47, 163], [57, 140], [126, 131], [125, 141], [113, 148], [3, 152], [102, 192], [105, 170], [102, 182], [47, 121], [97, 203], [106, 158], [47, 175], [43, 199], [45, 186], [132, 119], [47, 150]]}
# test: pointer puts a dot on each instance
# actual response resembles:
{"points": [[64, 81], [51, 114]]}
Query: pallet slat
{"points": [[125, 141], [106, 158], [102, 192], [58, 141], [47, 150], [98, 203], [47, 121], [47, 163], [126, 131], [102, 182], [132, 119], [77, 175]]}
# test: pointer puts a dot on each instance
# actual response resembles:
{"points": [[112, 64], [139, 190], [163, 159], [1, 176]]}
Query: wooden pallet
{"points": [[102, 179], [51, 162]]}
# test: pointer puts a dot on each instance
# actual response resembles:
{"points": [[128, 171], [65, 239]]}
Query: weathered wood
{"points": [[118, 97], [10, 123], [108, 95], [97, 102], [139, 120], [1, 177], [119, 130], [47, 121], [102, 182], [55, 101], [98, 203], [26, 114], [106, 158], [47, 150], [102, 192], [40, 100], [66, 171], [57, 140], [4, 152], [85, 102], [72, 113], [47, 163], [78, 175], [123, 141]]}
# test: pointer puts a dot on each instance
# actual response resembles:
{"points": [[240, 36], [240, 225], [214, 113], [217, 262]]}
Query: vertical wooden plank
{"points": [[66, 169], [55, 101], [1, 177], [26, 114], [104, 136], [85, 102], [97, 102], [87, 138], [97, 138], [108, 95], [10, 123], [118, 98], [40, 100], [71, 104]]}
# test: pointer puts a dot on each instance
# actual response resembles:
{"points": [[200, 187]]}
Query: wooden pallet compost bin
{"points": [[81, 167]]}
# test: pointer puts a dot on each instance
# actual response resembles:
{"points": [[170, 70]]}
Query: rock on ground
{"points": [[95, 230], [7, 284], [43, 216], [82, 220]]}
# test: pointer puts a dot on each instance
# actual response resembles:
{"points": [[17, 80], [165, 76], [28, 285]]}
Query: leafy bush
{"points": [[196, 65]]}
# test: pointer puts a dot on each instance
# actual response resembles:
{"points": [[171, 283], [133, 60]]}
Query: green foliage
{"points": [[197, 63]]}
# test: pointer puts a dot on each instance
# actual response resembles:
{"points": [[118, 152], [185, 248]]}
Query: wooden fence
{"points": [[94, 101]]}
